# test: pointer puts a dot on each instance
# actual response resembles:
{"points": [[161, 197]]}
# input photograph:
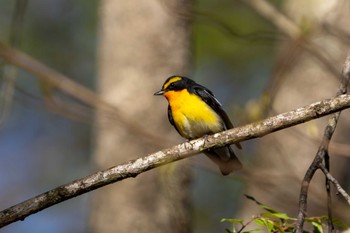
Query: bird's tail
{"points": [[225, 158]]}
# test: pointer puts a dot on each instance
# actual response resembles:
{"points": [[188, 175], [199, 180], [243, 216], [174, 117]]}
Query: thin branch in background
{"points": [[291, 29], [61, 82], [258, 37], [335, 29], [329, 197], [274, 16], [300, 42], [321, 153], [181, 151], [9, 72], [336, 184], [284, 63], [338, 33]]}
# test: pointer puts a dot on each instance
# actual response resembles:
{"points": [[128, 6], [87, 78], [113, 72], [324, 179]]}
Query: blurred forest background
{"points": [[254, 66]]}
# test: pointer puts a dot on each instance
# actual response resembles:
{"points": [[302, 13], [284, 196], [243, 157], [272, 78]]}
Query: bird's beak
{"points": [[159, 92]]}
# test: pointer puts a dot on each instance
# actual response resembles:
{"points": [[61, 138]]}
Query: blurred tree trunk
{"points": [[282, 158], [141, 44]]}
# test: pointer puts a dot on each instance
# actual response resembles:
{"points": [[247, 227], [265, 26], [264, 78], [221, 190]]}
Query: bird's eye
{"points": [[172, 85]]}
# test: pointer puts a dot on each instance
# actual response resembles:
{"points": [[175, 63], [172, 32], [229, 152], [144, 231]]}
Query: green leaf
{"points": [[259, 222], [315, 219], [253, 230], [340, 224], [232, 220], [265, 222], [279, 215], [324, 219], [265, 207], [317, 226]]}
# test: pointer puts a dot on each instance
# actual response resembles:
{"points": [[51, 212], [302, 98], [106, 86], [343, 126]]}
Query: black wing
{"points": [[208, 97]]}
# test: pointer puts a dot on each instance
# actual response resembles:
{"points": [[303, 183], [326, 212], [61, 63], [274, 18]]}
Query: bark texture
{"points": [[141, 44]]}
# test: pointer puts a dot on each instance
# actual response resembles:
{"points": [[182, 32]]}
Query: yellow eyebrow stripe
{"points": [[174, 79]]}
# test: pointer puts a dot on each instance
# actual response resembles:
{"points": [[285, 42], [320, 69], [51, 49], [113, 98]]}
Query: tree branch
{"points": [[181, 151], [322, 155]]}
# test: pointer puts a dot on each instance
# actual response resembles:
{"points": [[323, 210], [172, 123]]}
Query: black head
{"points": [[175, 83]]}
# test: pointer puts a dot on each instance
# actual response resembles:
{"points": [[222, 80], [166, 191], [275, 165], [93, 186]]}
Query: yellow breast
{"points": [[193, 117]]}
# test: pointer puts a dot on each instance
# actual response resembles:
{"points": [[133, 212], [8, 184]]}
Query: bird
{"points": [[195, 112]]}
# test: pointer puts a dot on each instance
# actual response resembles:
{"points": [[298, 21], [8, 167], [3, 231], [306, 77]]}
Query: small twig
{"points": [[329, 197], [336, 184], [181, 151], [322, 152]]}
